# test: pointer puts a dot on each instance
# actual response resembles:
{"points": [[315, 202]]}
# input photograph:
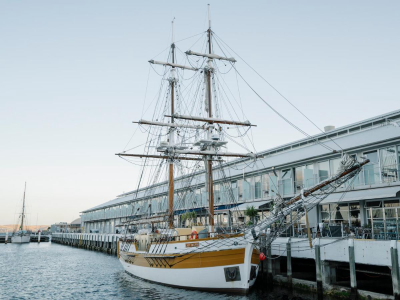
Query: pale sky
{"points": [[73, 77]]}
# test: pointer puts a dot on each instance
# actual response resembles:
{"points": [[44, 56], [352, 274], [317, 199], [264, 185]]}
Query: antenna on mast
{"points": [[209, 17], [173, 34]]}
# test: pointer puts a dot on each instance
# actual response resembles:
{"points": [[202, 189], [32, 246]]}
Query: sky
{"points": [[73, 77]]}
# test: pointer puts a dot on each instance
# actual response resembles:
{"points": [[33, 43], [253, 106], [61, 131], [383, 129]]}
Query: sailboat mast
{"points": [[171, 138], [23, 210], [209, 160]]}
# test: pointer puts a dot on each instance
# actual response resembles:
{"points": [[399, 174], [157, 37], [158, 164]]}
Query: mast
{"points": [[209, 175], [23, 211], [171, 139]]}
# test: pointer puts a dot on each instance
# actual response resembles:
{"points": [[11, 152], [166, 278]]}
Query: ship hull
{"points": [[230, 270], [20, 239]]}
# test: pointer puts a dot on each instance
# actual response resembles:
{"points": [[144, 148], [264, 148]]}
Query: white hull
{"points": [[200, 278], [20, 239]]}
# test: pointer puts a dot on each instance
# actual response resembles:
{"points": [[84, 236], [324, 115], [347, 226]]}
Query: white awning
{"points": [[256, 205], [368, 194]]}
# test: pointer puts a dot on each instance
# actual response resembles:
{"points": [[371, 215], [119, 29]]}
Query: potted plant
{"points": [[252, 213]]}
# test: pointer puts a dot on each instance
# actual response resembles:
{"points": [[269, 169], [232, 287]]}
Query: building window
{"points": [[270, 185], [287, 182], [337, 213], [257, 187], [371, 170], [389, 164], [384, 219], [334, 166], [304, 177], [217, 194], [247, 188], [325, 213], [323, 170]]}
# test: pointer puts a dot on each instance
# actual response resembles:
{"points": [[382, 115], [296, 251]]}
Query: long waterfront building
{"points": [[371, 200]]}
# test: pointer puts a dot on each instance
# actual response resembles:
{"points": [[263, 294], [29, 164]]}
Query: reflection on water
{"points": [[51, 271]]}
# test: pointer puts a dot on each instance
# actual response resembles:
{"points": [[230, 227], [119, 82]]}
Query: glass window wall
{"points": [[384, 219], [334, 166], [247, 184], [323, 170], [217, 194], [371, 170], [287, 182], [389, 164], [257, 187], [337, 213], [269, 185]]}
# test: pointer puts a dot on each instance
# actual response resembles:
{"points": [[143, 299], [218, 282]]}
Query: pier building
{"points": [[369, 206]]}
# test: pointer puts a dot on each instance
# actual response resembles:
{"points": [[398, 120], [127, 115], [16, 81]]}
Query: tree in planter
{"points": [[252, 213], [190, 216]]}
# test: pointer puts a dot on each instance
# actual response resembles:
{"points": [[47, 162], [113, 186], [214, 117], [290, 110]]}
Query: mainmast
{"points": [[172, 81], [23, 211], [209, 175]]}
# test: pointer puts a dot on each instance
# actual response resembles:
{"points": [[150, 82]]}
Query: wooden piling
{"points": [[270, 278], [352, 263], [395, 270], [289, 264], [318, 269], [118, 248]]}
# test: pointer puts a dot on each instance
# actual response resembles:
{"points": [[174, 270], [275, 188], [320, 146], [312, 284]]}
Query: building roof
{"points": [[76, 222], [349, 137]]}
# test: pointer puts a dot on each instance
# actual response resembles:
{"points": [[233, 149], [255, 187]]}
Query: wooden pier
{"points": [[107, 243], [34, 239]]}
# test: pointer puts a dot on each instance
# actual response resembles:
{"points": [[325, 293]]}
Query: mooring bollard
{"points": [[353, 278], [395, 269], [289, 264], [320, 291]]}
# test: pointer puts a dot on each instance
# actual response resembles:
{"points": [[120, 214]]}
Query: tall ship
{"points": [[21, 236], [192, 121]]}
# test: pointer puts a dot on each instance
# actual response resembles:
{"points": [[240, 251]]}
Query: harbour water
{"points": [[52, 271]]}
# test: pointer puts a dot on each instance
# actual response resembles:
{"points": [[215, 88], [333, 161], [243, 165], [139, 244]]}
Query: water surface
{"points": [[52, 271]]}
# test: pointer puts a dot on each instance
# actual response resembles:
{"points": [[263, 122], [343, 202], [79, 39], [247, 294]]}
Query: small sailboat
{"points": [[21, 236]]}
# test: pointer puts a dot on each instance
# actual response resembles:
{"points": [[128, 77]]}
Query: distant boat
{"points": [[21, 236]]}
